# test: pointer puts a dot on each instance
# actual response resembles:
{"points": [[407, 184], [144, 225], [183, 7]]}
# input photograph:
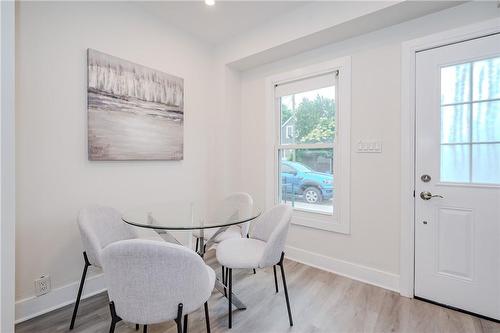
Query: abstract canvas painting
{"points": [[134, 112]]}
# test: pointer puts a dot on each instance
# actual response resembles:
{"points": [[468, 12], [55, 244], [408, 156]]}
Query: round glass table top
{"points": [[188, 216]]}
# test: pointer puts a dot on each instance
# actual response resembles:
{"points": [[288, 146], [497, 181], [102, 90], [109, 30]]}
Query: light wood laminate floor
{"points": [[321, 302]]}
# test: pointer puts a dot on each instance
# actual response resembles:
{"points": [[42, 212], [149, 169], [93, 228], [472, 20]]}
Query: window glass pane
{"points": [[307, 179], [455, 163], [486, 81], [486, 163], [308, 117], [486, 121], [455, 124], [455, 84]]}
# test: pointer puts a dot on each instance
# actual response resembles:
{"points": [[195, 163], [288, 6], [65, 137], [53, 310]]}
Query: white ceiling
{"points": [[218, 23]]}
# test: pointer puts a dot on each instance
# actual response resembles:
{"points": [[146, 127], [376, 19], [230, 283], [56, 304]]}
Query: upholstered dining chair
{"points": [[153, 282], [264, 248], [100, 226], [238, 202]]}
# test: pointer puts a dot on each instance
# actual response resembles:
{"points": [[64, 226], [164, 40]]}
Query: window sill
{"points": [[320, 221]]}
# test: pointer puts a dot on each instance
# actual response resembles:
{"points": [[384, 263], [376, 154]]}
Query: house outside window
{"points": [[289, 130]]}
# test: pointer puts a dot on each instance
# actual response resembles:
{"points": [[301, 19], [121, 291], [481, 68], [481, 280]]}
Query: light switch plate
{"points": [[369, 147]]}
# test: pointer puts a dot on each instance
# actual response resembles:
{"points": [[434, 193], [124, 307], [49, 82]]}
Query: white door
{"points": [[457, 230]]}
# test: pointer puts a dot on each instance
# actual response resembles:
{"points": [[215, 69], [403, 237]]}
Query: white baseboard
{"points": [[31, 307], [348, 269]]}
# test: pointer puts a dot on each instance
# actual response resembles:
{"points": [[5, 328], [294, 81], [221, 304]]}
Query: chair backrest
{"points": [[272, 228], [239, 203], [147, 280], [100, 226]]}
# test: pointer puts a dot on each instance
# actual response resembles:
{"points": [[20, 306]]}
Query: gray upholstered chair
{"points": [[100, 226], [152, 282], [264, 248], [240, 201]]}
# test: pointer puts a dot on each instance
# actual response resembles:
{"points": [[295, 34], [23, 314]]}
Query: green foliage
{"points": [[323, 132], [286, 113], [315, 120]]}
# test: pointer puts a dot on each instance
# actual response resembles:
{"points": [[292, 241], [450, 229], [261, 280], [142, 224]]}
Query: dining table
{"points": [[172, 216]]}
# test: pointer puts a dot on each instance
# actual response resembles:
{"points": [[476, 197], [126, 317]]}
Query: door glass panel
{"points": [[455, 163], [486, 121], [486, 79], [455, 124], [486, 163], [470, 122], [455, 84]]}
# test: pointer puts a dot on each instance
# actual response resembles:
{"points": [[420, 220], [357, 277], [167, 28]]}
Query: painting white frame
{"points": [[408, 72], [342, 223]]}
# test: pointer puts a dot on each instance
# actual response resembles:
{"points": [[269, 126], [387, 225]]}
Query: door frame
{"points": [[409, 50], [7, 167]]}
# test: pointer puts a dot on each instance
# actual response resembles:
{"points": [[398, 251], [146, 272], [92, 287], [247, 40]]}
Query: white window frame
{"points": [[340, 220]]}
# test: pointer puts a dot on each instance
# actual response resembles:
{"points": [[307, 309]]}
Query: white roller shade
{"points": [[307, 84]]}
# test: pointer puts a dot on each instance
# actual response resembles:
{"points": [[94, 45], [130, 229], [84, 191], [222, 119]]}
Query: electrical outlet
{"points": [[42, 285]]}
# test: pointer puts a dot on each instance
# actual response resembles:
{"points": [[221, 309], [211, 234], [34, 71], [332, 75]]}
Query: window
{"points": [[312, 147], [470, 122], [306, 155]]}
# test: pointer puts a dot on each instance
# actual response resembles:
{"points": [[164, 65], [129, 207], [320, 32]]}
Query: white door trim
{"points": [[408, 53], [7, 167]]}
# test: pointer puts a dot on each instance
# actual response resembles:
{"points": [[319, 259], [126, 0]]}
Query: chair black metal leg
{"points": [[254, 271], [136, 327], [145, 329], [207, 317], [178, 320], [286, 289], [80, 289], [197, 242], [275, 279], [224, 279], [185, 327], [114, 317], [230, 283]]}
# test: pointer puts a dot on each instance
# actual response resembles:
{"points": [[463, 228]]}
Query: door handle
{"points": [[428, 195]]}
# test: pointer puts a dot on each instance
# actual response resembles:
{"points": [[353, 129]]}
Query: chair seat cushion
{"points": [[240, 253], [231, 232], [211, 277]]}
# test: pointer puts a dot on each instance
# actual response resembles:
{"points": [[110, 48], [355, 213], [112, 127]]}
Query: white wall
{"points": [[224, 138], [372, 248], [54, 177], [296, 24], [7, 166]]}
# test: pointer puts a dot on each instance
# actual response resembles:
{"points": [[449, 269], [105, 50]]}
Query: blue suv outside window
{"points": [[299, 181]]}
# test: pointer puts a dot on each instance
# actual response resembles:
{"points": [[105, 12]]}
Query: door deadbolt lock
{"points": [[426, 195], [425, 178]]}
